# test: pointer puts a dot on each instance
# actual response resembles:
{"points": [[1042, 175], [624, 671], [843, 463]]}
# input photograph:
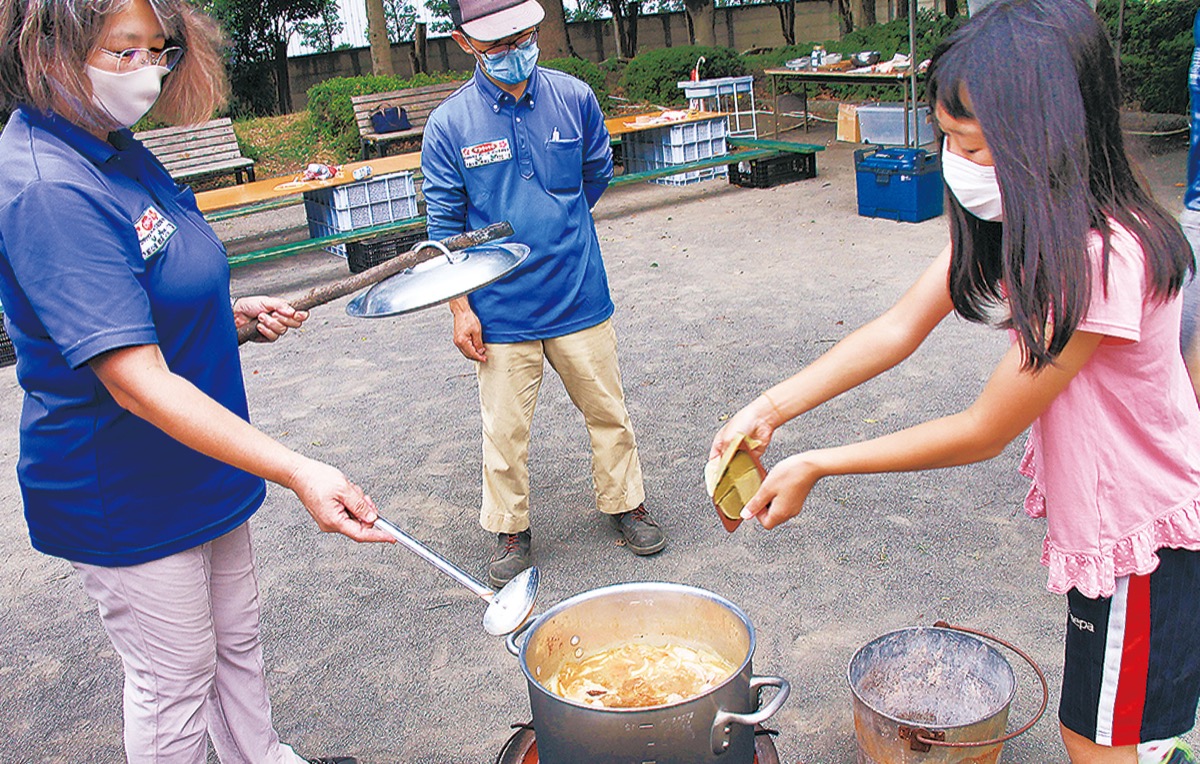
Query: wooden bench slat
{"points": [[417, 103], [194, 151]]}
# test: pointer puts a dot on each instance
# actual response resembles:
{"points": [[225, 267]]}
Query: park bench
{"points": [[192, 152], [417, 104]]}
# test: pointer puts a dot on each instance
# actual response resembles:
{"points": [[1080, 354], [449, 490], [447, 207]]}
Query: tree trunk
{"points": [[283, 90], [787, 20], [381, 47], [633, 11], [552, 34], [420, 49], [618, 22], [867, 17], [704, 21], [845, 17]]}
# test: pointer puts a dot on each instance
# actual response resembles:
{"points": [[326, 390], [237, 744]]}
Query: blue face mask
{"points": [[514, 66]]}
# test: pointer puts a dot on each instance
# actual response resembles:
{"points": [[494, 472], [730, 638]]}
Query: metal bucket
{"points": [[714, 727], [933, 694]]}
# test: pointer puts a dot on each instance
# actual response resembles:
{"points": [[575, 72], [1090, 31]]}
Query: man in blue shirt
{"points": [[528, 145]]}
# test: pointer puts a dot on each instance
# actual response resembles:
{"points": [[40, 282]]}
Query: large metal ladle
{"points": [[507, 609]]}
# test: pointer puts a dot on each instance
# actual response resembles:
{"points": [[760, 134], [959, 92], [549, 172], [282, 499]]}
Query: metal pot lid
{"points": [[438, 280]]}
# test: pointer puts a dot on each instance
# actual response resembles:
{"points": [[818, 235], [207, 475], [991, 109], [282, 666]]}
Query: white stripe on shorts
{"points": [[1113, 648]]}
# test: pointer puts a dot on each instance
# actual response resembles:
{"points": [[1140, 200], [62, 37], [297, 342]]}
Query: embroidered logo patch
{"points": [[153, 232], [486, 153]]}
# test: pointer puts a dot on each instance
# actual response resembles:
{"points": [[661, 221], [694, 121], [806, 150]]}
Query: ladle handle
{"points": [[435, 559], [328, 292], [919, 736]]}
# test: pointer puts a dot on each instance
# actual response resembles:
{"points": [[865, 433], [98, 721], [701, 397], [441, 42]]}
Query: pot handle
{"points": [[511, 640], [724, 720]]}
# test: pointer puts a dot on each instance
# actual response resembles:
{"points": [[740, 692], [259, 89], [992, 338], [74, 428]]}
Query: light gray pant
{"points": [[1189, 221], [187, 630]]}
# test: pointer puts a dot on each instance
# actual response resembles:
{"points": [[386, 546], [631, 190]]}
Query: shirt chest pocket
{"points": [[564, 165]]}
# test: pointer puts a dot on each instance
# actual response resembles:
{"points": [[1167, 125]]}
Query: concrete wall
{"points": [[741, 28]]}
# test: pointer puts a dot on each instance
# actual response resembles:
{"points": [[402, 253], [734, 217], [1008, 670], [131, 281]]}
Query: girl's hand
{"points": [[784, 492], [275, 316], [337, 505], [757, 422]]}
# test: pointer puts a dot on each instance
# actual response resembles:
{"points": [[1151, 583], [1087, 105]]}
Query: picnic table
{"points": [[273, 193], [805, 76]]}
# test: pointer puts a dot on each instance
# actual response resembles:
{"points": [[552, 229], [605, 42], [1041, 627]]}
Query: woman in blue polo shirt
{"points": [[138, 463]]}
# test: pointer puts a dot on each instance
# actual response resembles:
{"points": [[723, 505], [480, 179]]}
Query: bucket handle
{"points": [[923, 739], [511, 640], [724, 720]]}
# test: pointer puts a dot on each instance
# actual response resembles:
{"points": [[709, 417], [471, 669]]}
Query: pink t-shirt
{"points": [[1115, 459]]}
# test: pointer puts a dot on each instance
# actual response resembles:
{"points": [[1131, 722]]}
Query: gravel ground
{"points": [[720, 291]]}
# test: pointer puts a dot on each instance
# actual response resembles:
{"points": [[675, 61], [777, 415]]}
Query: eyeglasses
{"points": [[132, 59], [496, 52]]}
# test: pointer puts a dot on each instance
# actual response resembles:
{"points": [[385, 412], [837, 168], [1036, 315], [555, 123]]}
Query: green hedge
{"points": [[654, 76], [583, 70], [332, 112], [1156, 49]]}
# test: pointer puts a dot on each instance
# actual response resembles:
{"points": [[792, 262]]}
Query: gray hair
{"points": [[45, 46]]}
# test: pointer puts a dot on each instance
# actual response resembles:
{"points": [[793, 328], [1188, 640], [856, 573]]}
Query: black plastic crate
{"points": [[765, 173], [361, 255], [8, 355]]}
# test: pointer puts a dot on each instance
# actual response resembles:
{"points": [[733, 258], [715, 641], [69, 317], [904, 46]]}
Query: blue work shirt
{"points": [[540, 163], [100, 249], [1191, 195]]}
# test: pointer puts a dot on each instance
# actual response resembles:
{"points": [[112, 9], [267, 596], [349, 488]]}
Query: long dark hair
{"points": [[1041, 79]]}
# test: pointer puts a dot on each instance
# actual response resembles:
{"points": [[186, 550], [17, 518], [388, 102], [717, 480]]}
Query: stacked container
{"points": [[375, 201], [677, 144]]}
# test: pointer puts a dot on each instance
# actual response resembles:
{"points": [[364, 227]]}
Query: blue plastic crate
{"points": [[899, 184], [375, 201]]}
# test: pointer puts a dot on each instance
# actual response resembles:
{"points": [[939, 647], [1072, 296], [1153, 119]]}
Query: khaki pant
{"points": [[186, 628], [586, 361]]}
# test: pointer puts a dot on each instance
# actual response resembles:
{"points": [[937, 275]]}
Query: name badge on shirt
{"points": [[153, 232], [486, 153]]}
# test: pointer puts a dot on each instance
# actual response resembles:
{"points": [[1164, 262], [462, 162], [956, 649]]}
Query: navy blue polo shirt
{"points": [[540, 163], [100, 249]]}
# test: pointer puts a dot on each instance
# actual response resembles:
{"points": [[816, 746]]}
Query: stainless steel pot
{"points": [[716, 726]]}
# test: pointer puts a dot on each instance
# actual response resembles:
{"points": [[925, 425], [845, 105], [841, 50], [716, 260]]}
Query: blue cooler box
{"points": [[899, 184]]}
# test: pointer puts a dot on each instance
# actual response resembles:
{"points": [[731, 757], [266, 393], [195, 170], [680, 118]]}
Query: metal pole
{"points": [[912, 72]]}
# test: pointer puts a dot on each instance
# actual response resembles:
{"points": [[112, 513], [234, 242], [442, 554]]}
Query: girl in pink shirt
{"points": [[1053, 238]]}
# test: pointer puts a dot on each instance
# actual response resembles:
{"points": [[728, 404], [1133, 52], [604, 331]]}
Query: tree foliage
{"points": [[1156, 49], [259, 31]]}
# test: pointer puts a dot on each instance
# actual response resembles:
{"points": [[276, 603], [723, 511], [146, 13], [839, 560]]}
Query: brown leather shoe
{"points": [[512, 555], [642, 534]]}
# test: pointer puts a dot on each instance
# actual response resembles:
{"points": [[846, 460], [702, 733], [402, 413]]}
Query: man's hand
{"points": [[468, 332]]}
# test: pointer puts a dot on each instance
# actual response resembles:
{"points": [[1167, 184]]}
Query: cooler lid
{"points": [[895, 159]]}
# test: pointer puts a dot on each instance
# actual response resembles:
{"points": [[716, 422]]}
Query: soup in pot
{"points": [[637, 675]]}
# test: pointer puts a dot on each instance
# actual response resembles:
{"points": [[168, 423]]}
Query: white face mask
{"points": [[974, 185], [129, 95]]}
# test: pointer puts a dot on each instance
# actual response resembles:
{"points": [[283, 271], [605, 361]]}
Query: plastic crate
{"points": [[883, 124], [361, 255], [774, 171], [8, 354], [899, 184], [375, 201], [677, 144]]}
